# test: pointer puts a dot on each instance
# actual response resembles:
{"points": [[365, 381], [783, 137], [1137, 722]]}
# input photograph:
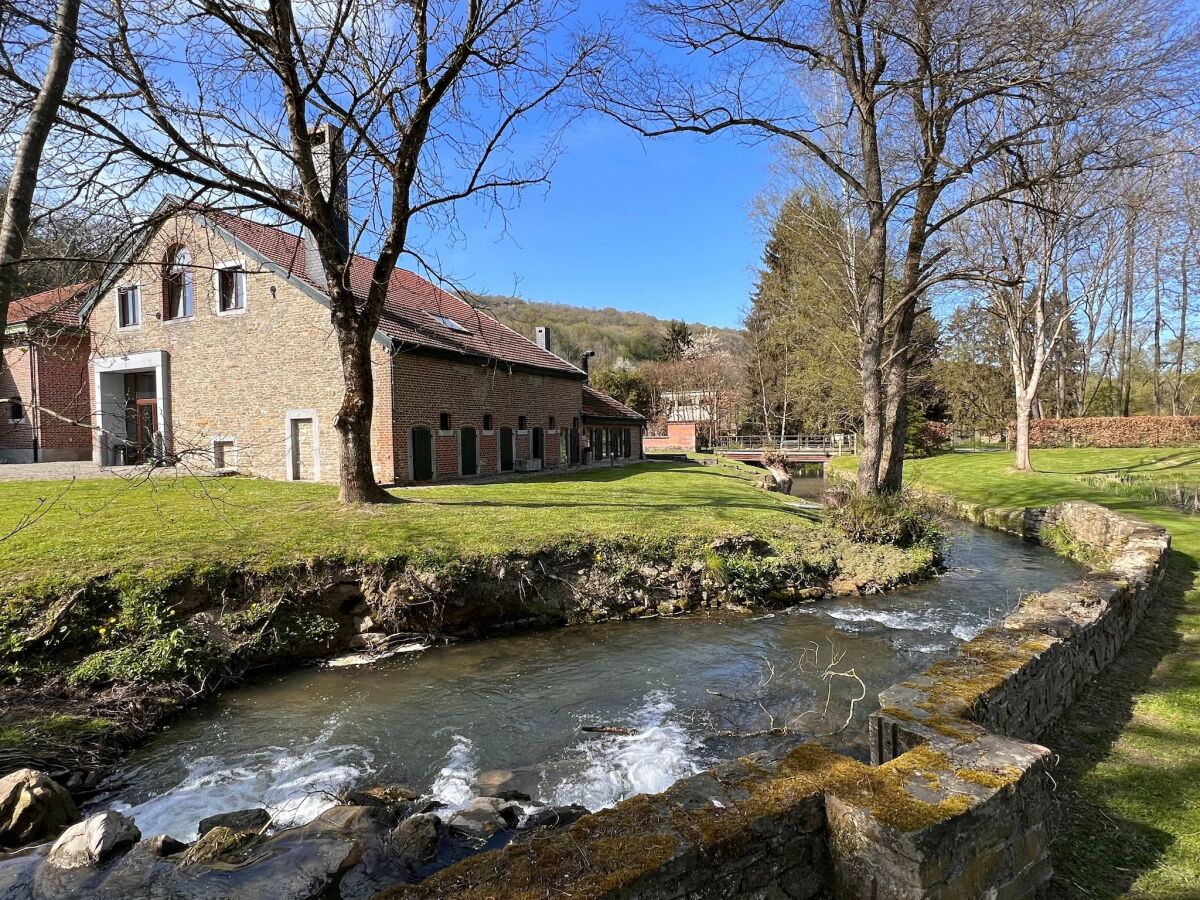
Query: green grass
{"points": [[1131, 746], [90, 528]]}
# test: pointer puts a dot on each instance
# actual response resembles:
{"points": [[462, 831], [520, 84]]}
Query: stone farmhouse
{"points": [[210, 345]]}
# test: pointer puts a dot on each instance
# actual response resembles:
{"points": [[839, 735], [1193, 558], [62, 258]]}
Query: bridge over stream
{"points": [[795, 448]]}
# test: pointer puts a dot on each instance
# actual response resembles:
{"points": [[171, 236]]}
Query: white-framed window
{"points": [[129, 306], [177, 284], [16, 410], [229, 284], [224, 453]]}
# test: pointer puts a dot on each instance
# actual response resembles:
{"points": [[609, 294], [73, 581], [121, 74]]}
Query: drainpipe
{"points": [[33, 399]]}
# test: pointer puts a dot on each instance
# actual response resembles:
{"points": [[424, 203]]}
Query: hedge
{"points": [[1113, 431]]}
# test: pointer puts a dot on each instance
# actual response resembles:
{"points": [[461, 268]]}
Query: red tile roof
{"points": [[59, 306], [410, 306], [598, 405]]}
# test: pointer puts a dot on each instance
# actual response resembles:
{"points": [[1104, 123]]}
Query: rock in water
{"points": [[415, 840], [241, 820], [94, 840], [33, 807], [556, 816], [484, 816]]}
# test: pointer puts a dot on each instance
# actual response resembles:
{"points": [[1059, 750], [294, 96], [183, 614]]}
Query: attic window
{"points": [[447, 322]]}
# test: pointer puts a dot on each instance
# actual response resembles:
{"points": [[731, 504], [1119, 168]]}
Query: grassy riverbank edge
{"points": [[94, 662], [1129, 751]]}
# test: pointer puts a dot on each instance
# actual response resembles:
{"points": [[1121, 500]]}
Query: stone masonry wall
{"points": [[956, 802], [237, 374]]}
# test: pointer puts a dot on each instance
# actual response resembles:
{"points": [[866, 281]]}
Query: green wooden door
{"points": [[506, 449], [468, 452], [422, 454]]}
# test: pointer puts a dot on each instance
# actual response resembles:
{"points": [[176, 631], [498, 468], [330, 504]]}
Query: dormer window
{"points": [[177, 284], [447, 322]]}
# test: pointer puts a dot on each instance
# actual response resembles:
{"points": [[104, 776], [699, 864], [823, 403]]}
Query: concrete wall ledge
{"points": [[954, 805]]}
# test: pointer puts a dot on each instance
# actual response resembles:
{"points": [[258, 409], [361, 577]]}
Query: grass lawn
{"points": [[1131, 745], [96, 526]]}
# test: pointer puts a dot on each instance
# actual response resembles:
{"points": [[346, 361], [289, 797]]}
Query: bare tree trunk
{"points": [[357, 483], [1024, 414], [1183, 313], [1157, 329], [18, 203], [1126, 371], [871, 358]]}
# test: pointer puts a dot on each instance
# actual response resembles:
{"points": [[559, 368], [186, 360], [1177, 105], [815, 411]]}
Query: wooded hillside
{"points": [[614, 334]]}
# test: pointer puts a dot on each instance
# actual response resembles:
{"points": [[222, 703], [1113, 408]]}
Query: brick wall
{"points": [[16, 438], [51, 379], [425, 387], [680, 437], [238, 374]]}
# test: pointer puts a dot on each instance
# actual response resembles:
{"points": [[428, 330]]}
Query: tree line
{"points": [[990, 152]]}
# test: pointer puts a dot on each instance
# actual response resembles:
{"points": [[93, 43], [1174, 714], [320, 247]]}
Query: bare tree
{"points": [[43, 111], [901, 102], [354, 119]]}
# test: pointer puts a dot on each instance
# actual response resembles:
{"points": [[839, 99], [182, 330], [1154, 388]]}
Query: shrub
{"points": [[1113, 431], [895, 519]]}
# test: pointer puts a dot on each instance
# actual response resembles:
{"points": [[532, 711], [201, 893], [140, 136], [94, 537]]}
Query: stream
{"points": [[508, 711]]}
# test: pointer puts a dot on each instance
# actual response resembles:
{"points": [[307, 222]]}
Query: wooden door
{"points": [[539, 444], [507, 450], [422, 454], [468, 452], [145, 426]]}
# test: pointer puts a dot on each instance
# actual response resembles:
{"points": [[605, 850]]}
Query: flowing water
{"points": [[441, 718]]}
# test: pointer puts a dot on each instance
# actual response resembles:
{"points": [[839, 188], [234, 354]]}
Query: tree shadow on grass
{"points": [[1179, 460], [1094, 853]]}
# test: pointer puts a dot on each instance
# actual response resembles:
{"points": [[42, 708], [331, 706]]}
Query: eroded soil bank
{"points": [[90, 673]]}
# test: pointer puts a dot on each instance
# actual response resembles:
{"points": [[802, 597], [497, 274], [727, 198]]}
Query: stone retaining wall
{"points": [[956, 802]]}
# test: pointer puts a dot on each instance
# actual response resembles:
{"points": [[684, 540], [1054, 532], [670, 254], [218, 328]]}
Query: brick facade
{"points": [[49, 376], [424, 387]]}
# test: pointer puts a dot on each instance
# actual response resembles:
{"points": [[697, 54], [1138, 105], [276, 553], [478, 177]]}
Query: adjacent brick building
{"points": [[211, 345], [45, 413]]}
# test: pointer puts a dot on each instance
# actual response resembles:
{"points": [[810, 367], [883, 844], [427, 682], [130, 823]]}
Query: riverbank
{"points": [[126, 603], [1130, 750]]}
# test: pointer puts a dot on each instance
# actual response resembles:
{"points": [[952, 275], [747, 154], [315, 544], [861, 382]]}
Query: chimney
{"points": [[329, 158], [586, 356], [541, 335]]}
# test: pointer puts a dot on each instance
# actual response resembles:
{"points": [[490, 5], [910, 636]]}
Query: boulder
{"points": [[415, 840], [94, 840], [556, 816], [484, 816], [219, 842], [240, 820], [33, 807]]}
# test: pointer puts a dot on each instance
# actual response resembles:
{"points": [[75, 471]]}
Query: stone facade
{"points": [[257, 389], [954, 806]]}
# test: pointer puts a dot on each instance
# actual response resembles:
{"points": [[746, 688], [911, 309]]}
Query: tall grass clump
{"points": [[896, 519]]}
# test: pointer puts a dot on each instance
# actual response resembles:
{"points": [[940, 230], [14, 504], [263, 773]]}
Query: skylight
{"points": [[447, 322]]}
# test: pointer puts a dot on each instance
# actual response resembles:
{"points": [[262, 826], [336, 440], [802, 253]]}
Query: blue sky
{"points": [[657, 225]]}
